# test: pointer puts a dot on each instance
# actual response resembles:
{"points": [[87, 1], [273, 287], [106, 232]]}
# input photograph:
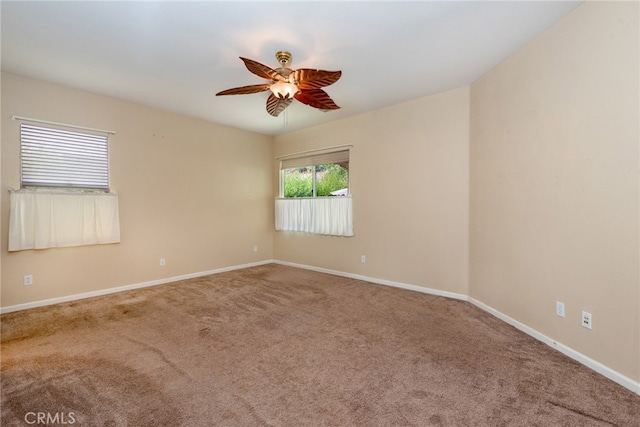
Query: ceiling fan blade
{"points": [[276, 105], [316, 98], [244, 90], [315, 79], [261, 70]]}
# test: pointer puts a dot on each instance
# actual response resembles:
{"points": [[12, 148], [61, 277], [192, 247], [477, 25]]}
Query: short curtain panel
{"points": [[48, 219], [323, 215]]}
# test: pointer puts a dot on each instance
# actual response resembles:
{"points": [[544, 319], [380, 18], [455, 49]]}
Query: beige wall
{"points": [[193, 192], [554, 184], [409, 180]]}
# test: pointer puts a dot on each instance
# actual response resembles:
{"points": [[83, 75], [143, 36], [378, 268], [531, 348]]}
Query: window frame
{"points": [[312, 159]]}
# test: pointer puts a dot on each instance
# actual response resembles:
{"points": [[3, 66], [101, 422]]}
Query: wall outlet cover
{"points": [[560, 308], [587, 320]]}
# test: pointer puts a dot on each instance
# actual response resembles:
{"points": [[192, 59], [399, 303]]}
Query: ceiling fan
{"points": [[286, 84]]}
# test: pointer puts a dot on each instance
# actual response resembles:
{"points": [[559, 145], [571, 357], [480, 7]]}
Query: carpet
{"points": [[274, 345]]}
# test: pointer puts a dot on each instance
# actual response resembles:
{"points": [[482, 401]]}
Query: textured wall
{"points": [[554, 184], [195, 193], [409, 180]]}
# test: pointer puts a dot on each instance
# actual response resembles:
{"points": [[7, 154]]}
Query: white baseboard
{"points": [[92, 294], [378, 281], [575, 355], [568, 351]]}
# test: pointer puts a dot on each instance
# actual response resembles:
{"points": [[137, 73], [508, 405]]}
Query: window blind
{"points": [[338, 157], [57, 158]]}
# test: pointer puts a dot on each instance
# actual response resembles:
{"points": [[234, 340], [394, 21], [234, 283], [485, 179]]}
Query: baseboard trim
{"points": [[604, 370], [416, 288], [108, 291]]}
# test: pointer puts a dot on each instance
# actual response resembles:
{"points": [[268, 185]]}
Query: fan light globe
{"points": [[284, 90]]}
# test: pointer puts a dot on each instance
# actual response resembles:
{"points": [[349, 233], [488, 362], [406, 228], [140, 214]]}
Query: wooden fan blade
{"points": [[276, 105], [315, 79], [244, 90], [316, 98], [261, 70]]}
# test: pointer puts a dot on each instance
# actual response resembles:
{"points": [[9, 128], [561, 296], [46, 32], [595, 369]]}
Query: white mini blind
{"points": [[52, 157], [337, 157]]}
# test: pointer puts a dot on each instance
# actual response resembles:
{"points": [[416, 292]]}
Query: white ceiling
{"points": [[177, 55]]}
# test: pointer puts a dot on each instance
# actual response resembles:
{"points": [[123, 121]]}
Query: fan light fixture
{"points": [[284, 90], [304, 84], [287, 88]]}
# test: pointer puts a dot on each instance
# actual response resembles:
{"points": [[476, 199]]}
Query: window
{"points": [[307, 183], [52, 217], [52, 157], [319, 175]]}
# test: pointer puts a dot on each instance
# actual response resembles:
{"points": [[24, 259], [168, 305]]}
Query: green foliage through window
{"points": [[298, 183], [330, 177]]}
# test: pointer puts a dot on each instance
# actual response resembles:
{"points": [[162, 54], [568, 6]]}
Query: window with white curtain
{"points": [[64, 198], [314, 193]]}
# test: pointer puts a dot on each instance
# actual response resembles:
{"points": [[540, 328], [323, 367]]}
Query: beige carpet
{"points": [[279, 346]]}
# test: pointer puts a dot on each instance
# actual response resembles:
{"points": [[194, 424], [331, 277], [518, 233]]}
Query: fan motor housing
{"points": [[283, 57]]}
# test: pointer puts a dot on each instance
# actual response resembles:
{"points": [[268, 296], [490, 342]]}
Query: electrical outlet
{"points": [[560, 308], [587, 320], [363, 259], [28, 280], [255, 248], [163, 262]]}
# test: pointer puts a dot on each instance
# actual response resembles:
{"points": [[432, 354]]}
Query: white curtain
{"points": [[325, 215], [47, 219]]}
